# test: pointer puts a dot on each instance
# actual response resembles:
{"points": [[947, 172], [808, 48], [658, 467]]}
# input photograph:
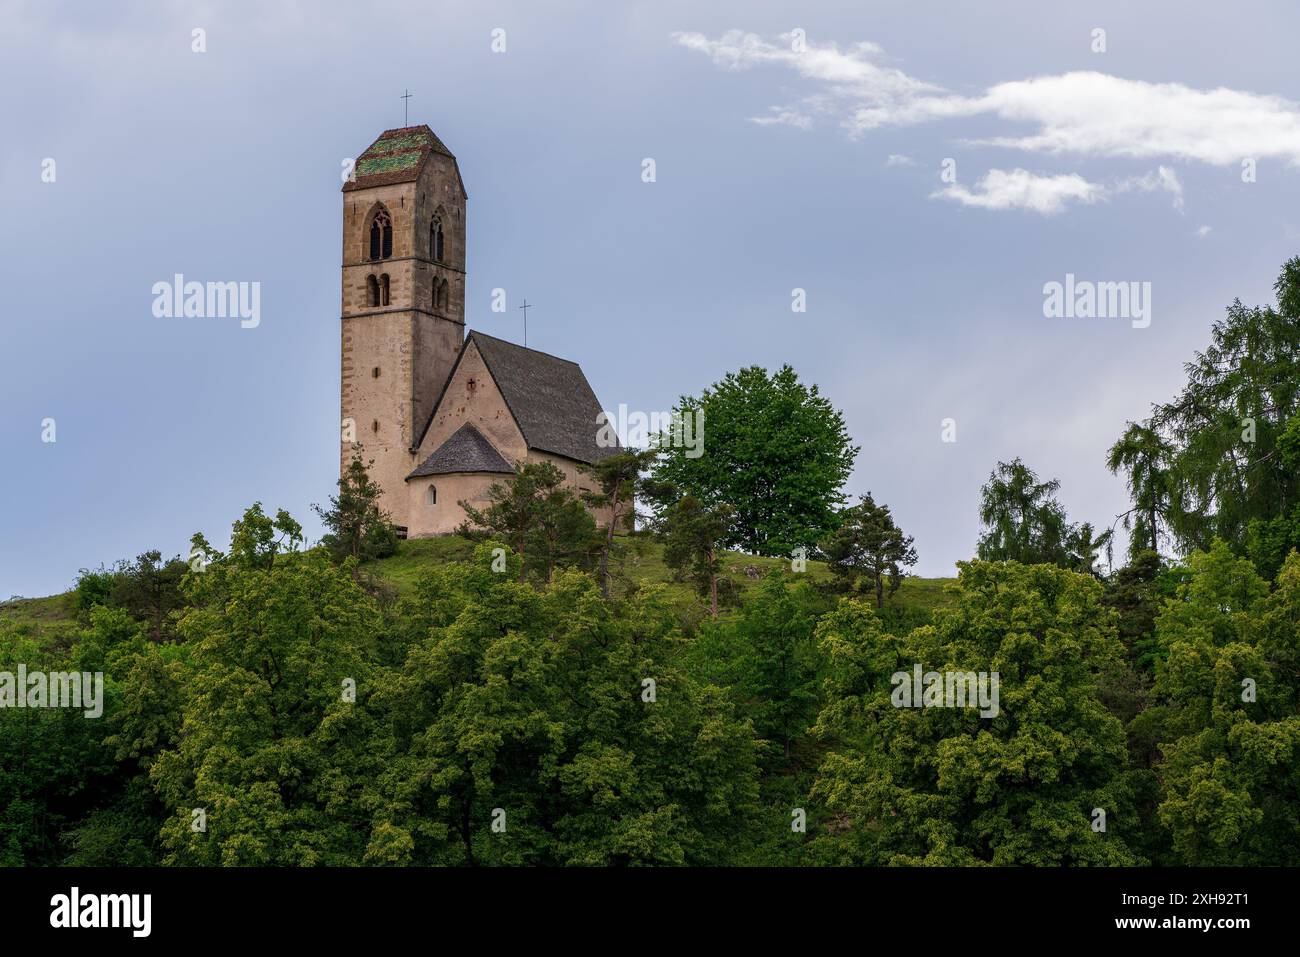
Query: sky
{"points": [[920, 170]]}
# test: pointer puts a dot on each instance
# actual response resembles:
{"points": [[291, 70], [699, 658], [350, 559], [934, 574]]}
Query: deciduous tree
{"points": [[774, 450]]}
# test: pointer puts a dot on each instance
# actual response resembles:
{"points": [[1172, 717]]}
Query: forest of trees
{"points": [[536, 703]]}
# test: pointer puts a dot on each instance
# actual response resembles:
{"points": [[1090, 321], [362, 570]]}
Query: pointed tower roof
{"points": [[398, 156]]}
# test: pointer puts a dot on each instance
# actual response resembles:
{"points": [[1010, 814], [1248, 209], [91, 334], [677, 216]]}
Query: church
{"points": [[441, 414]]}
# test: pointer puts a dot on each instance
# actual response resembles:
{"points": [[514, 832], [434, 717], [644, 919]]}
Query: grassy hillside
{"points": [[644, 563], [41, 612]]}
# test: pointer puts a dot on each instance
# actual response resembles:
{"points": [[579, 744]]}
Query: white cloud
{"points": [[850, 72], [1163, 179], [844, 79], [897, 159], [1084, 113], [1099, 115], [1202, 232], [1021, 189], [784, 117], [1049, 195]]}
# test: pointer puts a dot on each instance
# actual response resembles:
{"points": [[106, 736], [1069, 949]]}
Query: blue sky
{"points": [[818, 168]]}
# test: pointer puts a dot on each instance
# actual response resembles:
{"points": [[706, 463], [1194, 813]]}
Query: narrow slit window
{"points": [[435, 239]]}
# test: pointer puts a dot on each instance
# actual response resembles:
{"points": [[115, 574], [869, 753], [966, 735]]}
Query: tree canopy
{"points": [[1220, 456], [774, 450]]}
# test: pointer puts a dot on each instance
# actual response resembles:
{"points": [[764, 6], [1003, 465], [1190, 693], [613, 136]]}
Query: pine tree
{"points": [[619, 478], [358, 527], [538, 516], [869, 544], [693, 533]]}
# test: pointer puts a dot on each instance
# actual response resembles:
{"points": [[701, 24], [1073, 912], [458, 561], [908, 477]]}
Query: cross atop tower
{"points": [[406, 107], [402, 298]]}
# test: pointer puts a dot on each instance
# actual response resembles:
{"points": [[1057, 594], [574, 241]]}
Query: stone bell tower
{"points": [[403, 313]]}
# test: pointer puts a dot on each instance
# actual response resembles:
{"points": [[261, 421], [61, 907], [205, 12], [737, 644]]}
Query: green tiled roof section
{"points": [[396, 157], [387, 163], [393, 144]]}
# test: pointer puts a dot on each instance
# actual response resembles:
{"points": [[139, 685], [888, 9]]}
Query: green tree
{"points": [[619, 478], [148, 588], [50, 758], [774, 450], [945, 786], [540, 517], [693, 534], [1211, 461], [769, 661], [1270, 540], [358, 527], [1023, 522], [1145, 455], [550, 727], [1084, 547], [56, 772], [868, 544], [274, 746], [1137, 592], [1228, 697]]}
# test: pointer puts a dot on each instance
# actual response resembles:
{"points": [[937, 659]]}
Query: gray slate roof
{"points": [[466, 451], [549, 397]]}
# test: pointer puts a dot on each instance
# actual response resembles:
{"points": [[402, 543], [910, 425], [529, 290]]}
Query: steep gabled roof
{"points": [[466, 451], [398, 156], [550, 398]]}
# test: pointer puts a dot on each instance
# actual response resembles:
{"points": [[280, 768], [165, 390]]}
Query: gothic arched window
{"points": [[383, 290], [432, 495], [372, 290], [381, 235], [435, 239]]}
